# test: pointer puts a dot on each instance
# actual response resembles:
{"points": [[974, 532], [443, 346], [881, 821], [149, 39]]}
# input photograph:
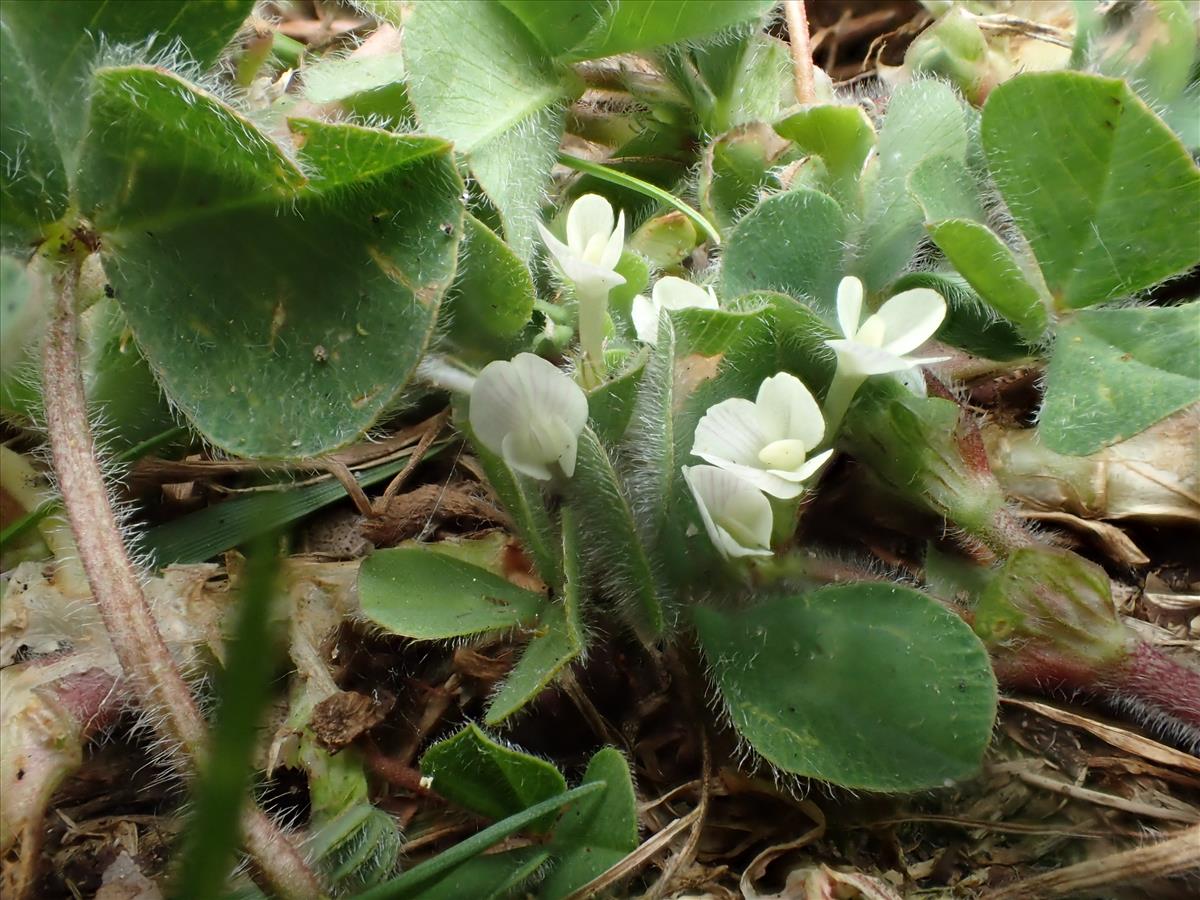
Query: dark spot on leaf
{"points": [[109, 291], [446, 228]]}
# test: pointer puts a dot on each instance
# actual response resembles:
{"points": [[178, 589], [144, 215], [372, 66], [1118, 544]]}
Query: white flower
{"points": [[530, 413], [589, 257], [669, 293], [878, 345], [736, 516], [765, 442]]}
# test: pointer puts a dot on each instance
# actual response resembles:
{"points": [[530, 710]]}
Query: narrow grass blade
{"points": [[412, 882]]}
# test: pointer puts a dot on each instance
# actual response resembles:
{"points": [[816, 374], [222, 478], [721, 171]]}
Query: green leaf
{"points": [[559, 638], [477, 77], [357, 849], [1116, 372], [201, 535], [596, 833], [992, 270], [665, 240], [946, 189], [653, 435], [364, 86], [477, 773], [710, 332], [867, 685], [49, 50], [21, 315], [429, 596], [1109, 201], [1155, 51], [244, 691], [412, 883], [496, 875], [616, 554], [736, 168], [196, 204], [970, 323], [590, 29], [491, 299], [841, 135], [924, 119], [610, 405], [791, 243], [33, 179]]}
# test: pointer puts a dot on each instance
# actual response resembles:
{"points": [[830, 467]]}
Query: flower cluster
{"points": [[759, 450], [755, 449]]}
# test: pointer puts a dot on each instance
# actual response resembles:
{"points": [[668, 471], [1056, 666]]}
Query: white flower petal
{"points": [[589, 278], [859, 359], [811, 466], [910, 319], [530, 413], [730, 431], [561, 252], [849, 305], [644, 313], [515, 455], [552, 392], [676, 293], [615, 244], [784, 485], [787, 410], [590, 215], [737, 517], [499, 403]]}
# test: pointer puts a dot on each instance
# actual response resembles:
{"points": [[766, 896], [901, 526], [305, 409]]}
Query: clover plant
{"points": [[657, 353]]}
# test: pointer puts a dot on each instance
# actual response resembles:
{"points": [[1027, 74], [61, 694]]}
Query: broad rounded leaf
{"points": [[491, 299], [791, 243], [48, 50], [1115, 372], [590, 29], [198, 209], [596, 832], [1103, 190], [924, 119], [867, 685], [489, 778], [425, 595], [478, 78], [992, 270]]}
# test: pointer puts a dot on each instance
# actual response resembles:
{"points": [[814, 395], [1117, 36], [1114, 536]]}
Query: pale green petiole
{"points": [[841, 393]]}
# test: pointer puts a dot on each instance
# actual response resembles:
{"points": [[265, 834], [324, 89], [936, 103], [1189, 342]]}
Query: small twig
{"points": [[798, 40], [358, 496], [1100, 798], [161, 690], [688, 851], [600, 726], [636, 859], [1177, 854], [433, 429], [434, 710]]}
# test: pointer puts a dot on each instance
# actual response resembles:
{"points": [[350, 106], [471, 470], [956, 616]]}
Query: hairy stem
{"points": [[156, 681], [798, 38]]}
